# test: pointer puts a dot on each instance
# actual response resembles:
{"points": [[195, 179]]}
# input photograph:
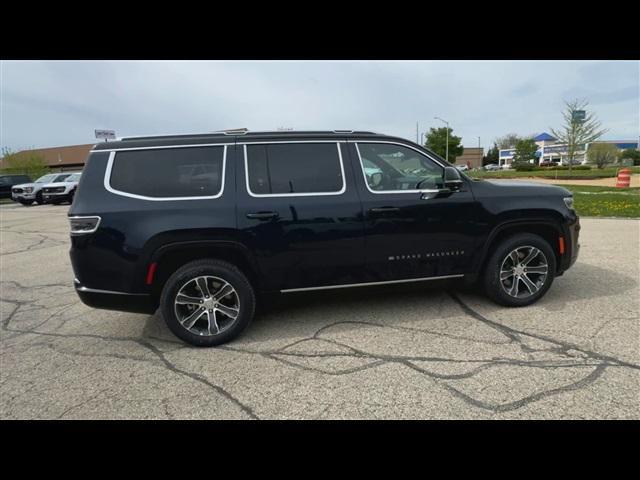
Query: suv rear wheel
{"points": [[207, 302], [520, 270]]}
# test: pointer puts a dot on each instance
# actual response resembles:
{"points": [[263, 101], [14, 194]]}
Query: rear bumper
{"points": [[121, 301]]}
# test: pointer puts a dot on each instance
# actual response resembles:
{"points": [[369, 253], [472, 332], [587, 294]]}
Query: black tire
{"points": [[26, 202], [39, 200], [71, 195], [215, 268], [491, 276]]}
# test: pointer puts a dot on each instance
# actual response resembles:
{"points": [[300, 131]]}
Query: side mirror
{"points": [[452, 179]]}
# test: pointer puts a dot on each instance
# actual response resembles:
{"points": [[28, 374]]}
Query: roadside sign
{"points": [[106, 134], [578, 115]]}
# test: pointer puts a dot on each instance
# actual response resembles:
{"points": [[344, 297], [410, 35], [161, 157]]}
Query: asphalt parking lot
{"points": [[419, 352]]}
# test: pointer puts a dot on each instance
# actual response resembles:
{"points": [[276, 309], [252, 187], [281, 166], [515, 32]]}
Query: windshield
{"points": [[46, 179], [73, 178], [61, 178]]}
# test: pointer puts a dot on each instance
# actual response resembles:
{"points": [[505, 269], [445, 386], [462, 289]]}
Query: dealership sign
{"points": [[578, 115], [106, 134]]}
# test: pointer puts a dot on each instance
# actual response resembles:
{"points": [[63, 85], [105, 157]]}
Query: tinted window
{"points": [[294, 168], [390, 167], [171, 172]]}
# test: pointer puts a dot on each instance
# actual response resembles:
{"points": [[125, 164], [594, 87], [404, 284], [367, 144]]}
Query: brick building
{"points": [[71, 157], [471, 157]]}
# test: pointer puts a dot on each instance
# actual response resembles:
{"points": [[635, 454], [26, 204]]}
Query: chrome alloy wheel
{"points": [[523, 272], [207, 305]]}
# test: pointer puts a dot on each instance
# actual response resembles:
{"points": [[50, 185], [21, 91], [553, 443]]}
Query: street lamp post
{"points": [[447, 124]]}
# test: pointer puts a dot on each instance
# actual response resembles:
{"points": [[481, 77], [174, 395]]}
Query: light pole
{"points": [[447, 124]]}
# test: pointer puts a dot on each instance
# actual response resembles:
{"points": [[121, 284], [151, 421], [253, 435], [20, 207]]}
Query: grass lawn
{"points": [[551, 173], [605, 201]]}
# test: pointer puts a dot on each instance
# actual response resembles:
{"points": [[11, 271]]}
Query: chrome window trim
{"points": [[112, 155], [364, 175], [305, 194], [85, 231], [367, 284], [158, 147]]}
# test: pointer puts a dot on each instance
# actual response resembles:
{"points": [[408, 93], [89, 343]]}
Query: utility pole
{"points": [[417, 132], [447, 124]]}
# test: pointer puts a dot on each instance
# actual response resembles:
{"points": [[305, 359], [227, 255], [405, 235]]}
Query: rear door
{"points": [[299, 212], [411, 231]]}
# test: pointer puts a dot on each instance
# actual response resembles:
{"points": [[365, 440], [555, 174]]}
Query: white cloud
{"points": [[60, 103]]}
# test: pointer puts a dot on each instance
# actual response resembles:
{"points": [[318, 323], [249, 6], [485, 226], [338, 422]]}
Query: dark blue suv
{"points": [[198, 225]]}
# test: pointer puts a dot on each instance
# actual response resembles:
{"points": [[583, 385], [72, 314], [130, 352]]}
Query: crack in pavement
{"points": [[586, 359]]}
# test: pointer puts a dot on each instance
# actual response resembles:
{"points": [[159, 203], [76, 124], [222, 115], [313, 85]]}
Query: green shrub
{"points": [[574, 167], [524, 167], [26, 163]]}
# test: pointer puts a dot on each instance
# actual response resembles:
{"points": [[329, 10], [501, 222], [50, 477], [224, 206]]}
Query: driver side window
{"points": [[394, 168]]}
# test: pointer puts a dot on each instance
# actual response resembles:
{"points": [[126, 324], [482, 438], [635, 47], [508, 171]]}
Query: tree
{"points": [[491, 156], [602, 154], [631, 154], [437, 141], [507, 141], [24, 163], [526, 149], [577, 131]]}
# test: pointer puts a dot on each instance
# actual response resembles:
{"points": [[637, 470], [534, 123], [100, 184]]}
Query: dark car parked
{"points": [[198, 225], [8, 181]]}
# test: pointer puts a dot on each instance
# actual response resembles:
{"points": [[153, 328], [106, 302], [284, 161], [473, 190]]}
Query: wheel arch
{"points": [[547, 228], [168, 258]]}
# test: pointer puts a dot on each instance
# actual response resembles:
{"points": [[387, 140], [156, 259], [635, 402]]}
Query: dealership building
{"points": [[550, 150]]}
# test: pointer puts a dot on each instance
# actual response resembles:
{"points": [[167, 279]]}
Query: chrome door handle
{"points": [[262, 215], [384, 210]]}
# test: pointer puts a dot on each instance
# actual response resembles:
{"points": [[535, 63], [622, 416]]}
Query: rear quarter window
{"points": [[169, 173]]}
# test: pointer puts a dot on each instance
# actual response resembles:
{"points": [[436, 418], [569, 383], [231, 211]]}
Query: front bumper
{"points": [[572, 244], [111, 300], [17, 197], [55, 197]]}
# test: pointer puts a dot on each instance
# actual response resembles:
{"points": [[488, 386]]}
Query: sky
{"points": [[55, 103]]}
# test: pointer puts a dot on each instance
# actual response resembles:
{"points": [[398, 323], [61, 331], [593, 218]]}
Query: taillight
{"points": [[83, 225]]}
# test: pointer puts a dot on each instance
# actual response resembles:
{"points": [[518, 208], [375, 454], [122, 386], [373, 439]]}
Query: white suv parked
{"points": [[27, 193]]}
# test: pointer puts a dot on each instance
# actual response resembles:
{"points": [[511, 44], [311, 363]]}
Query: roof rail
{"points": [[234, 131], [342, 131]]}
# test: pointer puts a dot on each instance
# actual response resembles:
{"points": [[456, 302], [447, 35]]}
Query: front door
{"points": [[411, 230], [299, 213]]}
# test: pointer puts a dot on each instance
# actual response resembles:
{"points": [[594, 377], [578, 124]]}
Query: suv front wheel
{"points": [[207, 302], [520, 270]]}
